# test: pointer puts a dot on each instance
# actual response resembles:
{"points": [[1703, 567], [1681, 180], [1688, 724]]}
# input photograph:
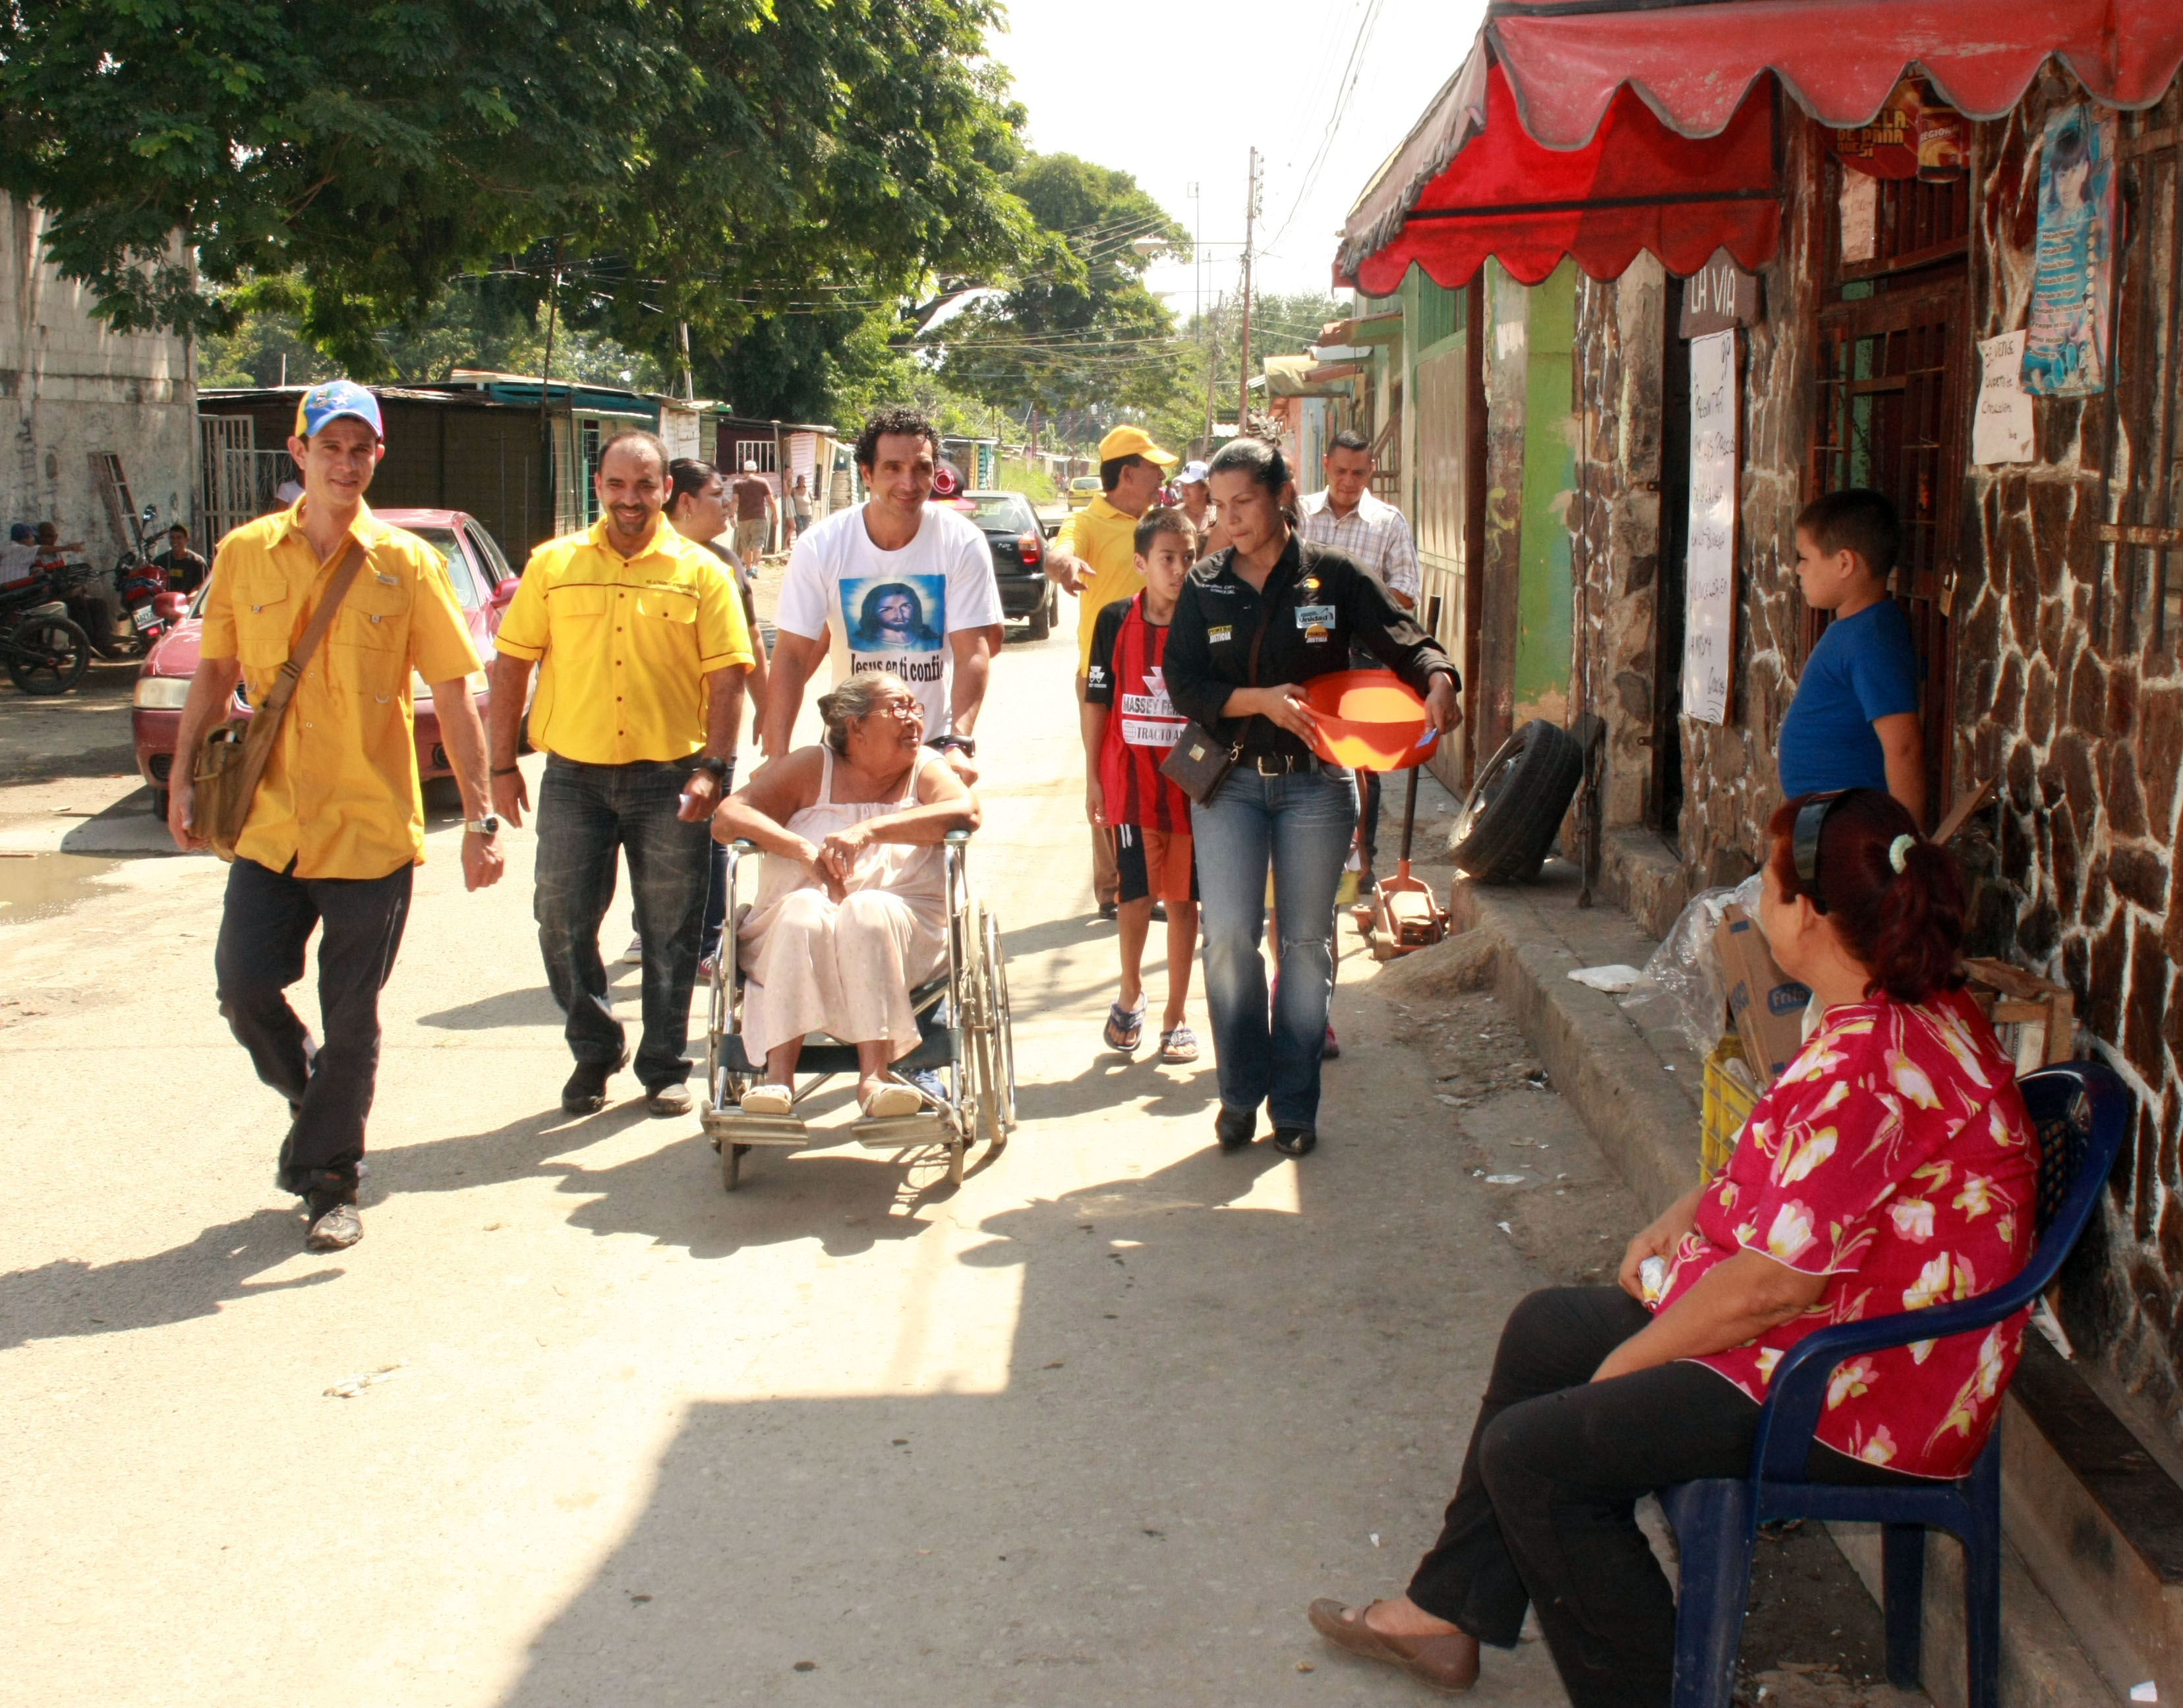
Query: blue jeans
{"points": [[585, 813], [1301, 824]]}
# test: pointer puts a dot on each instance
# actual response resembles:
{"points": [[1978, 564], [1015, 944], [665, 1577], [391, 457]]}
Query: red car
{"points": [[483, 585]]}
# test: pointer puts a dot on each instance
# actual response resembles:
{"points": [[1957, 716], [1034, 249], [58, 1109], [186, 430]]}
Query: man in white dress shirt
{"points": [[1347, 516]]}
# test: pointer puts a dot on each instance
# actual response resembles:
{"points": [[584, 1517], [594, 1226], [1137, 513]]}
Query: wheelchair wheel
{"points": [[996, 1052]]}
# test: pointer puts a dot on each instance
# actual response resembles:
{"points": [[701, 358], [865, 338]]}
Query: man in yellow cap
{"points": [[1094, 557]]}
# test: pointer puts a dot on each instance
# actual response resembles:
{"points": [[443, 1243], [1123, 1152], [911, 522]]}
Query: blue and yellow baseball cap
{"points": [[335, 397]]}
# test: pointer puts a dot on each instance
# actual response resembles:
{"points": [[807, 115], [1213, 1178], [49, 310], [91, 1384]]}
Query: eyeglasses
{"points": [[901, 710]]}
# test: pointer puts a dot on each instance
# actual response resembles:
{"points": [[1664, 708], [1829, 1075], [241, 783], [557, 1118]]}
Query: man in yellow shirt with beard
{"points": [[1095, 557]]}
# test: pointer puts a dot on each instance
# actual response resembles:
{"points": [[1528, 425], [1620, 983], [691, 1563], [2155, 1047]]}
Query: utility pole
{"points": [[1250, 236]]}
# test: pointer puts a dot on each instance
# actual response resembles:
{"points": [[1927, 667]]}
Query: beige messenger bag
{"points": [[232, 760]]}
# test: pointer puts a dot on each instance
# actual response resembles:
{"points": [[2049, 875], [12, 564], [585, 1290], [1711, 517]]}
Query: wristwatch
{"points": [[487, 826], [715, 768], [942, 743]]}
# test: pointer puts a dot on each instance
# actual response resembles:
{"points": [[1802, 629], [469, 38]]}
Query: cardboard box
{"points": [[1766, 1004]]}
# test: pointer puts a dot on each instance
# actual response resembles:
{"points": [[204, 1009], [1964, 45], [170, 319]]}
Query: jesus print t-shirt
{"points": [[892, 610]]}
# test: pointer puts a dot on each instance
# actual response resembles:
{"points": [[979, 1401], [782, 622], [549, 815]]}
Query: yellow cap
{"points": [[1133, 441]]}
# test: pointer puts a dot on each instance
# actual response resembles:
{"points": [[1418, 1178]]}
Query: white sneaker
{"points": [[634, 955]]}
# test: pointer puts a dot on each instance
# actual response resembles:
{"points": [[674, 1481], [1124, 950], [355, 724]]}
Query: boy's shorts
{"points": [[1156, 863]]}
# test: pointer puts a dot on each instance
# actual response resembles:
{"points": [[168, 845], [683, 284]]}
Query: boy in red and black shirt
{"points": [[1149, 815]]}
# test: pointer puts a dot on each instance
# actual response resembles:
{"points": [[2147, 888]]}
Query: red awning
{"points": [[1611, 88], [1636, 185], [1692, 63]]}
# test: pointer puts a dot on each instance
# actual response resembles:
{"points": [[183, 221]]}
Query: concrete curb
{"points": [[1636, 1087]]}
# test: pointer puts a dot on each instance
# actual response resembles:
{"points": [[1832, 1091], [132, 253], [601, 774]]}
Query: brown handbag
{"points": [[232, 759], [1200, 760]]}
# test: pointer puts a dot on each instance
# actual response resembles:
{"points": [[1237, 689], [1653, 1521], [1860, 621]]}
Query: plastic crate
{"points": [[1726, 1105]]}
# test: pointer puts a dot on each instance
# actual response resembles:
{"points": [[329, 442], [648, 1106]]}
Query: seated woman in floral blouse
{"points": [[1892, 1166]]}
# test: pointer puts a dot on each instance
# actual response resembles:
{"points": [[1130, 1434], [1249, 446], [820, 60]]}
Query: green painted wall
{"points": [[1543, 584]]}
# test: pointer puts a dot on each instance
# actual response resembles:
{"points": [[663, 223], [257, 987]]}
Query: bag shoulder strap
{"points": [[1275, 587], [284, 684]]}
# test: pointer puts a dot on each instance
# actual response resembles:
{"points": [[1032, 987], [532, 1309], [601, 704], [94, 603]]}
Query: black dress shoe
{"points": [[1234, 1128], [1110, 910], [1295, 1141], [585, 1093]]}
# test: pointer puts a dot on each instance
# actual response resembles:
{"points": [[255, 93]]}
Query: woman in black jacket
{"points": [[1275, 610]]}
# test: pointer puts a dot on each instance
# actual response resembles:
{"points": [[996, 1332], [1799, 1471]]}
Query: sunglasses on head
{"points": [[1804, 844]]}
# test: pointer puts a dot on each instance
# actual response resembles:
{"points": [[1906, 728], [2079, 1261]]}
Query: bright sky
{"points": [[1193, 88]]}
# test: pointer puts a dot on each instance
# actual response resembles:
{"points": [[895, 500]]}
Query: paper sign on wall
{"points": [[1709, 572], [2001, 430]]}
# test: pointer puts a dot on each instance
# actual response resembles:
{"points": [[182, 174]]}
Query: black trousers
{"points": [[1545, 1511], [268, 920]]}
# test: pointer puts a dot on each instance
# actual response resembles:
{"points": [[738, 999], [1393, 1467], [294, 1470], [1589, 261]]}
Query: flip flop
{"points": [[1179, 1044], [1124, 1027], [890, 1100]]}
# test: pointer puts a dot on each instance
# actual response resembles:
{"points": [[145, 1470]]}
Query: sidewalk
{"points": [[1636, 1089]]}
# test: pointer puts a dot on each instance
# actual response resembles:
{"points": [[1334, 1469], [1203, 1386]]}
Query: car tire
{"points": [[1508, 823], [159, 803], [1041, 620]]}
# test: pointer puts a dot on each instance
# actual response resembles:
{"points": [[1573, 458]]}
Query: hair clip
{"points": [[1898, 853]]}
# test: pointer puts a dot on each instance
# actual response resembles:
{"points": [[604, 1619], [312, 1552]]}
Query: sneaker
{"points": [[1332, 1047], [585, 1093], [1234, 1128], [668, 1100], [331, 1203], [634, 955], [1110, 910]]}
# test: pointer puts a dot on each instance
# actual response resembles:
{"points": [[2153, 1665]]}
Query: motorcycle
{"points": [[45, 652]]}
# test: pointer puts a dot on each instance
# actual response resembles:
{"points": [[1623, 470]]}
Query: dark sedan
{"points": [[1011, 529]]}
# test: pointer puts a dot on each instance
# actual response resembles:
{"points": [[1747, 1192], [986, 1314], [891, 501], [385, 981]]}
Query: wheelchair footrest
{"points": [[901, 1132], [732, 1126]]}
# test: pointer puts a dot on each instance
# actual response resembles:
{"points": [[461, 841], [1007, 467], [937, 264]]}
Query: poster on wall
{"points": [[1914, 135], [1709, 574], [2065, 347]]}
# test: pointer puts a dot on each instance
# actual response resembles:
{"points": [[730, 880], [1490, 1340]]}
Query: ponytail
{"points": [[1904, 921]]}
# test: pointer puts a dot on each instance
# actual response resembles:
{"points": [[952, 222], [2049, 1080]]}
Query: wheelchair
{"points": [[965, 1039]]}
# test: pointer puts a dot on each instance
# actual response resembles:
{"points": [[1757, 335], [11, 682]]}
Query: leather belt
{"points": [[1284, 764]]}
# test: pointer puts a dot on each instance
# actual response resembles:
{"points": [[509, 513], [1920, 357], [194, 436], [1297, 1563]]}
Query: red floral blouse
{"points": [[1895, 1157]]}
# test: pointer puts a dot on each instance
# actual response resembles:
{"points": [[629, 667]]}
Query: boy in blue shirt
{"points": [[1853, 723]]}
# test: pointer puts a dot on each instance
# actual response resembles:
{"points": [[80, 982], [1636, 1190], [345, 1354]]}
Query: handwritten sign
{"points": [[1709, 571], [2001, 430]]}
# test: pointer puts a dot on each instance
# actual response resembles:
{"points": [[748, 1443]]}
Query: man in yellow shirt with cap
{"points": [[337, 823], [640, 701], [1094, 557]]}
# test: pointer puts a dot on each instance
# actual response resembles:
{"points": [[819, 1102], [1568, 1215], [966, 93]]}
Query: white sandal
{"points": [[768, 1097], [888, 1100]]}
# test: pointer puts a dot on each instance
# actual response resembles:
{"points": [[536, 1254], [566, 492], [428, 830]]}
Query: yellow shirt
{"points": [[1107, 541], [628, 643], [339, 796]]}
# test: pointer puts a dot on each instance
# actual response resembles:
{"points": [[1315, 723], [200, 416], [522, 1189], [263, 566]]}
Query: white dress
{"points": [[845, 968]]}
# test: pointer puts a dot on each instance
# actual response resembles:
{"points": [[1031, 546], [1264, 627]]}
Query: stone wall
{"points": [[2066, 692], [1730, 786], [70, 387]]}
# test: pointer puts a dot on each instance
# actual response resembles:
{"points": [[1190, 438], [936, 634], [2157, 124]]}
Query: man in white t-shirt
{"points": [[900, 585]]}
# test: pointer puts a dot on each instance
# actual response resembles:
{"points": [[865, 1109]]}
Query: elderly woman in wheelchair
{"points": [[1892, 1166], [851, 912]]}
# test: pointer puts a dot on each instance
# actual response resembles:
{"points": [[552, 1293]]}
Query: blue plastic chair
{"points": [[2081, 1112]]}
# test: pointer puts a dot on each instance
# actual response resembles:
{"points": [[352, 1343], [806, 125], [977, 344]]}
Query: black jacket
{"points": [[1318, 604]]}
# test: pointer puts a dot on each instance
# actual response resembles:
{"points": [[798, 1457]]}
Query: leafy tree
{"points": [[1077, 329], [700, 161]]}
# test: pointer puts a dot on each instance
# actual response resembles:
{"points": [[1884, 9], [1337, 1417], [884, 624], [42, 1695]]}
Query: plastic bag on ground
{"points": [[1681, 984]]}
